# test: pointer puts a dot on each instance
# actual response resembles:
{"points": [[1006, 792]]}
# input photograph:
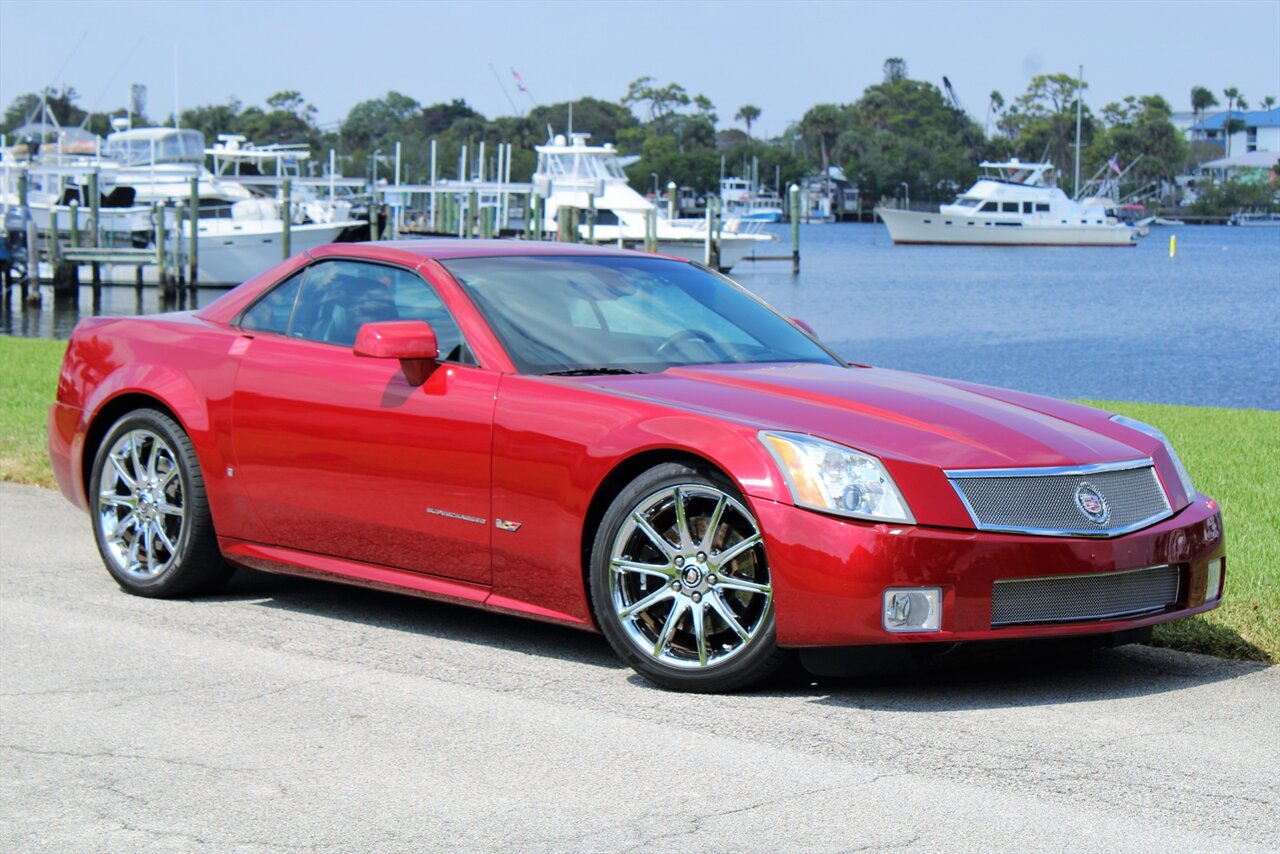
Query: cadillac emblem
{"points": [[1091, 503]]}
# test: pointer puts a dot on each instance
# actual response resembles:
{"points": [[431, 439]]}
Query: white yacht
{"points": [[570, 171], [1013, 204]]}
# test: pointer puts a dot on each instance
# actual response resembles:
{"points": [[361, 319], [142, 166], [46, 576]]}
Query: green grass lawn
{"points": [[1232, 454], [28, 383]]}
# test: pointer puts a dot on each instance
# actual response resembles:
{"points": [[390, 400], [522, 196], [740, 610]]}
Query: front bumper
{"points": [[829, 574]]}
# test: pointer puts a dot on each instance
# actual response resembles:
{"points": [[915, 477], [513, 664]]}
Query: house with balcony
{"points": [[1260, 132]]}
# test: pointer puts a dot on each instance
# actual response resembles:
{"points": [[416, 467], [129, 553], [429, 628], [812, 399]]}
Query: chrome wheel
{"points": [[141, 505], [688, 580]]}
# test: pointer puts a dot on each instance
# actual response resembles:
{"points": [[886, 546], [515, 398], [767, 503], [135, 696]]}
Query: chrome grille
{"points": [[1046, 501], [1072, 598]]}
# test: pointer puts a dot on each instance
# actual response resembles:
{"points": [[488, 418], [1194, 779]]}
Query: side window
{"points": [[339, 297], [416, 299], [1010, 207], [990, 207], [271, 313]]}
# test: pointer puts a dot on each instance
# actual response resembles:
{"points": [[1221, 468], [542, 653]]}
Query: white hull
{"points": [[231, 252], [229, 257], [938, 228], [686, 242]]}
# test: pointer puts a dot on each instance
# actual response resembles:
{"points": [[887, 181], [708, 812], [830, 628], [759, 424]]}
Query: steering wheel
{"points": [[677, 338]]}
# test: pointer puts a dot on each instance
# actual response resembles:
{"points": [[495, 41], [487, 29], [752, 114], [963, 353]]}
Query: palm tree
{"points": [[1201, 100], [1232, 94], [1269, 102], [747, 114], [995, 104], [822, 123]]}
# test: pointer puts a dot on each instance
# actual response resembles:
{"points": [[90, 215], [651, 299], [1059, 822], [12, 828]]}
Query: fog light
{"points": [[1213, 584], [912, 609]]}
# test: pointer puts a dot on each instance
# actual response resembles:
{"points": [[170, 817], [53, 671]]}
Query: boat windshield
{"points": [[179, 146], [574, 314], [581, 165]]}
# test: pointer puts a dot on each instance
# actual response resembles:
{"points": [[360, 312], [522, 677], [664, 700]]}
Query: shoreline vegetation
{"points": [[1232, 454], [902, 139]]}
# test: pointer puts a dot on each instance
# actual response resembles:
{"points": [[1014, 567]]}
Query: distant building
{"points": [[1261, 131]]}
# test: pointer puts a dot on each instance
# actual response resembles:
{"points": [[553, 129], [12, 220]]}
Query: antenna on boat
{"points": [[106, 87], [505, 93], [175, 87]]}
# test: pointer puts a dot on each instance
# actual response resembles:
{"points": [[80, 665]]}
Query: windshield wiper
{"points": [[590, 372]]}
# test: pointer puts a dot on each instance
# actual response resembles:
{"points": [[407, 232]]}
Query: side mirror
{"points": [[413, 342], [806, 327]]}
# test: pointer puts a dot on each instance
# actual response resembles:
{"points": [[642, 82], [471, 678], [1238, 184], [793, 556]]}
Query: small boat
{"points": [[740, 198], [1255, 219], [1013, 204]]}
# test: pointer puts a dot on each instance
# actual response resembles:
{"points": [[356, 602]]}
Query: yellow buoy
{"points": [[1173, 246]]}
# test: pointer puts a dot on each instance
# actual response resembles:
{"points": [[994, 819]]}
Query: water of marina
{"points": [[1119, 324]]}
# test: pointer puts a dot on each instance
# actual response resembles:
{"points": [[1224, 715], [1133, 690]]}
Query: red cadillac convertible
{"points": [[614, 441]]}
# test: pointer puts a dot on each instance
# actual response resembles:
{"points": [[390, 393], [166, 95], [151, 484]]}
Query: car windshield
{"points": [[574, 314]]}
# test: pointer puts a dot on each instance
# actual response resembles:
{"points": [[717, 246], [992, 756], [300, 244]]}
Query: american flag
{"points": [[519, 83]]}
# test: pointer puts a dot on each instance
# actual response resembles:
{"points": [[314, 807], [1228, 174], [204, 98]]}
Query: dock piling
{"points": [[286, 219], [194, 215], [95, 240], [31, 283], [794, 194]]}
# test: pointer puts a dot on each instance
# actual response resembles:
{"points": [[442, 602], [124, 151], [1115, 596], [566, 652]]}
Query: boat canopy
{"points": [[146, 146], [577, 162], [1016, 172]]}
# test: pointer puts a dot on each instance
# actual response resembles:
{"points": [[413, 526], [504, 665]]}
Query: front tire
{"points": [[680, 582], [151, 519]]}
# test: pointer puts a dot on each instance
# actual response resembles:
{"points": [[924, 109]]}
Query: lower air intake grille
{"points": [[1073, 598]]}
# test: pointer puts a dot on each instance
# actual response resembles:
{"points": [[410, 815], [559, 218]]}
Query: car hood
{"points": [[891, 414]]}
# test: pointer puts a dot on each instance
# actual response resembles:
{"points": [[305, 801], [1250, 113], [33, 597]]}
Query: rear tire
{"points": [[680, 582], [150, 513]]}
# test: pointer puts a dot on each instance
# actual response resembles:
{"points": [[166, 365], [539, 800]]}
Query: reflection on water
{"points": [[56, 317]]}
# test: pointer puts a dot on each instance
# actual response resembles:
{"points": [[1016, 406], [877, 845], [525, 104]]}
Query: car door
{"points": [[339, 454]]}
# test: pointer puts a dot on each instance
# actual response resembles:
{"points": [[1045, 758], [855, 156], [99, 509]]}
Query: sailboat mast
{"points": [[1079, 110]]}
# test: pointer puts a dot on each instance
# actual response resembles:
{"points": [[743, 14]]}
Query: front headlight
{"points": [[829, 477], [1183, 476]]}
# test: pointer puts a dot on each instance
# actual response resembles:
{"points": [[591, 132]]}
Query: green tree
{"points": [[213, 119], [895, 70], [439, 118], [1042, 121], [906, 132], [1140, 127], [662, 101], [747, 114], [380, 121]]}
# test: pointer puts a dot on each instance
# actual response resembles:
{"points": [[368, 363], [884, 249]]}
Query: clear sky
{"points": [[781, 56]]}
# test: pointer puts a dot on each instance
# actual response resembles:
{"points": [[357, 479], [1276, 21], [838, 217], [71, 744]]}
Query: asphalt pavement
{"points": [[294, 715]]}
